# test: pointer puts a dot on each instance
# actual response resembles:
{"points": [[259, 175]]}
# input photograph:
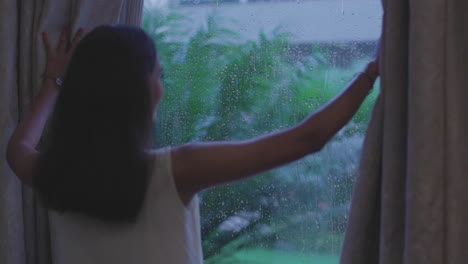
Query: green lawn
{"points": [[263, 256]]}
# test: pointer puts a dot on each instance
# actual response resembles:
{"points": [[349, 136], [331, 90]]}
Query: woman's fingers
{"points": [[377, 55], [76, 39], [377, 50], [63, 45], [46, 41], [63, 41]]}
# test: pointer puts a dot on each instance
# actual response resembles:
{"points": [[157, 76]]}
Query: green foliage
{"points": [[265, 256], [189, 70], [218, 88]]}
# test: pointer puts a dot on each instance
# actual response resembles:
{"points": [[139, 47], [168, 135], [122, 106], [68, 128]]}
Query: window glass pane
{"points": [[235, 69]]}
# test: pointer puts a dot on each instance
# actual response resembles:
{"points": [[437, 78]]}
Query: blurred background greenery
{"points": [[220, 88]]}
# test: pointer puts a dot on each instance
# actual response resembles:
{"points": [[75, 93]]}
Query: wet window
{"points": [[237, 69]]}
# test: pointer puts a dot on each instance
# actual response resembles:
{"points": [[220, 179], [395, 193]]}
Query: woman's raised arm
{"points": [[201, 165], [21, 150]]}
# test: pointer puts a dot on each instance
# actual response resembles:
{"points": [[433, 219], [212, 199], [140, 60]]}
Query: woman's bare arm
{"points": [[201, 165], [21, 151]]}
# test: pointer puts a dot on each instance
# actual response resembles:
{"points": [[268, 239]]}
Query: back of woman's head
{"points": [[93, 161]]}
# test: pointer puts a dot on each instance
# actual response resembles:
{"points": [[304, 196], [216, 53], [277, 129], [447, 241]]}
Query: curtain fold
{"points": [[456, 143], [24, 229], [408, 201], [11, 250]]}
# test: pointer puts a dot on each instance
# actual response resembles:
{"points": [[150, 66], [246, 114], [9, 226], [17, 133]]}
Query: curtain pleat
{"points": [[456, 143], [409, 200], [24, 228], [12, 248]]}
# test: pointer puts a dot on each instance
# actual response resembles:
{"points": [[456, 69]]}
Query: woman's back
{"points": [[166, 231]]}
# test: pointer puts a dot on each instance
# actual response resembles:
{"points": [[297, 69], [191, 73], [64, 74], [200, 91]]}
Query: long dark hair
{"points": [[93, 161]]}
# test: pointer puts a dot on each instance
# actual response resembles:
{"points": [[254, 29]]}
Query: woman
{"points": [[112, 198]]}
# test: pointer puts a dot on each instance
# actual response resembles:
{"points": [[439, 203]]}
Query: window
{"points": [[239, 69]]}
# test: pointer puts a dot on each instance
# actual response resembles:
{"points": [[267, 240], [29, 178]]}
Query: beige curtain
{"points": [[410, 201], [24, 235]]}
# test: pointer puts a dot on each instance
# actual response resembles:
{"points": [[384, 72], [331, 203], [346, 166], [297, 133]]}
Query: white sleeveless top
{"points": [[165, 232]]}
